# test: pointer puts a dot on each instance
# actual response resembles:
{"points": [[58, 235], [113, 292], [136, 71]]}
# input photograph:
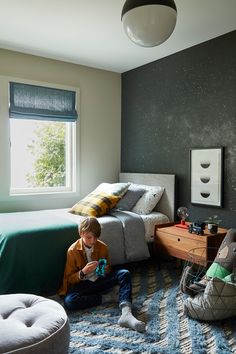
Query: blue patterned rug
{"points": [[158, 301]]}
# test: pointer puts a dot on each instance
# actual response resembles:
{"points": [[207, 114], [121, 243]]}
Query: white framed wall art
{"points": [[206, 173]]}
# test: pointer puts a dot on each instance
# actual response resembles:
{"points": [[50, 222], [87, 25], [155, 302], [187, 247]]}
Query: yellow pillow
{"points": [[95, 204]]}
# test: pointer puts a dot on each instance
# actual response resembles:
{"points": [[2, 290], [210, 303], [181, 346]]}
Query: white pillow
{"points": [[149, 200], [118, 189]]}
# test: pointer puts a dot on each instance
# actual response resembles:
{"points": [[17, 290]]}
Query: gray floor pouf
{"points": [[31, 324]]}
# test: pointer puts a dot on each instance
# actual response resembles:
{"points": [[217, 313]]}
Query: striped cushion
{"points": [[95, 204]]}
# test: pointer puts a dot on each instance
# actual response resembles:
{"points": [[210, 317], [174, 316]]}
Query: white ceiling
{"points": [[89, 32]]}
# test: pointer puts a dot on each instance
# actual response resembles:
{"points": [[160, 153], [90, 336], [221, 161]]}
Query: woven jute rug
{"points": [[158, 301]]}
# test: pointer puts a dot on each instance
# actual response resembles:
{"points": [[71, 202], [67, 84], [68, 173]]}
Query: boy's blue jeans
{"points": [[89, 293]]}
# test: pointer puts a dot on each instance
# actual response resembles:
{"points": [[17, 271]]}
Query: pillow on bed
{"points": [[149, 200], [113, 188], [133, 194], [95, 204]]}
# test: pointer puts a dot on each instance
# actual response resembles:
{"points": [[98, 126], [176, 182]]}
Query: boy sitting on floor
{"points": [[83, 288]]}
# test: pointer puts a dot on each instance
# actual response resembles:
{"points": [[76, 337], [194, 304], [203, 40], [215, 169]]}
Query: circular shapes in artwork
{"points": [[205, 179], [205, 194], [205, 164]]}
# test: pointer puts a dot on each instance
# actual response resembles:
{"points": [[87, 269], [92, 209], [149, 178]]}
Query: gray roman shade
{"points": [[43, 103]]}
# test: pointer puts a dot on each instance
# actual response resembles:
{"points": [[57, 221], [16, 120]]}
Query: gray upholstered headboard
{"points": [[167, 202]]}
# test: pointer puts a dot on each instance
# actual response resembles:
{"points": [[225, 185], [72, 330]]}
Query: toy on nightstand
{"points": [[197, 228], [100, 270]]}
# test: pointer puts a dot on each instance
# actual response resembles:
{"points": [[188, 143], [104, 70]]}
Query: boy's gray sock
{"points": [[128, 320]]}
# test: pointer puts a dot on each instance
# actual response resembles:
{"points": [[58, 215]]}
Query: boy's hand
{"points": [[90, 267]]}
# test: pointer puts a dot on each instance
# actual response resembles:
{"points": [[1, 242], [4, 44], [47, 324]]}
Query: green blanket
{"points": [[33, 249]]}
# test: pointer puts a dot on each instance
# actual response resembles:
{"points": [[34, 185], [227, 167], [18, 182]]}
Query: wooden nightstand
{"points": [[177, 242]]}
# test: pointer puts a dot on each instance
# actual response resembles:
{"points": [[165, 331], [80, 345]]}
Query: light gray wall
{"points": [[98, 147]]}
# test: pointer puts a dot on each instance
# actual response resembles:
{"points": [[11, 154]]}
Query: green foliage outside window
{"points": [[48, 149]]}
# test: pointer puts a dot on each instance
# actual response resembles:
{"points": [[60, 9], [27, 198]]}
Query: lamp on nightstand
{"points": [[182, 213]]}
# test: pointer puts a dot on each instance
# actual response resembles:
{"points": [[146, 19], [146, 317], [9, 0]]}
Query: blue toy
{"points": [[197, 228], [100, 270]]}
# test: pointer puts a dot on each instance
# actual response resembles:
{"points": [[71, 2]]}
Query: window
{"points": [[42, 134]]}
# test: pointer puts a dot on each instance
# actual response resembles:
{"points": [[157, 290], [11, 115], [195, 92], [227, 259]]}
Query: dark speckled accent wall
{"points": [[183, 101]]}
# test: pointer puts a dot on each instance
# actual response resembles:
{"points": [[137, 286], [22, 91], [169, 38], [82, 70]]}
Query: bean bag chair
{"points": [[218, 301]]}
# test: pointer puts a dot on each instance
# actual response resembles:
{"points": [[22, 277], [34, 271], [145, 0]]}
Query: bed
{"points": [[33, 244]]}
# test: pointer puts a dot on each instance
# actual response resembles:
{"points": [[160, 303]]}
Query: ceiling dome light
{"points": [[149, 23]]}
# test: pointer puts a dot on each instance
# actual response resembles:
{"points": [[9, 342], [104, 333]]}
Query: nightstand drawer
{"points": [[177, 242], [178, 246]]}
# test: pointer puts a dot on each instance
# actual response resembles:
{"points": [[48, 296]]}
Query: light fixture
{"points": [[182, 213], [149, 23]]}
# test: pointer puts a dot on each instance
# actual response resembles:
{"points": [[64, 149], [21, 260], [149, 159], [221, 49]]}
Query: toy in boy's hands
{"points": [[100, 270]]}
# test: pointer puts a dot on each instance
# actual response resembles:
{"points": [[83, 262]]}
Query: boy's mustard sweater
{"points": [[76, 260]]}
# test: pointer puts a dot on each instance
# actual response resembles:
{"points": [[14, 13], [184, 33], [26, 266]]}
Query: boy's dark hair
{"points": [[90, 224]]}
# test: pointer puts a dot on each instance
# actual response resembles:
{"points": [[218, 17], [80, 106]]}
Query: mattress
{"points": [[149, 220]]}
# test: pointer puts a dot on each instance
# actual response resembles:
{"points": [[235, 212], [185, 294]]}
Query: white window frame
{"points": [[6, 193], [71, 164]]}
